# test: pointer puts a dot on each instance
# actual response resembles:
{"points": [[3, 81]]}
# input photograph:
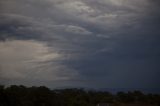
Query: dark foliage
{"points": [[42, 96]]}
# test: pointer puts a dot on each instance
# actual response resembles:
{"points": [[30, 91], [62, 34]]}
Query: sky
{"points": [[80, 43]]}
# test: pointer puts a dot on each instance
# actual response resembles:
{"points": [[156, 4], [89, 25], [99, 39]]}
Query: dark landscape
{"points": [[80, 52], [42, 96]]}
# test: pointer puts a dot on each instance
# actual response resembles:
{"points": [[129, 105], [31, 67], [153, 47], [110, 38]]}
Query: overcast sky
{"points": [[80, 43]]}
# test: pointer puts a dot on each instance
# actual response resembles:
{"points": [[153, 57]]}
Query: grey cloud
{"points": [[104, 41]]}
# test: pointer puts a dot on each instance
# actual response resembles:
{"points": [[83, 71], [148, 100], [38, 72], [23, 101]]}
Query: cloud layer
{"points": [[86, 43]]}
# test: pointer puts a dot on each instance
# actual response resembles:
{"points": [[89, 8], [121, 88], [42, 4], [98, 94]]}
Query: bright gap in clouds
{"points": [[20, 59]]}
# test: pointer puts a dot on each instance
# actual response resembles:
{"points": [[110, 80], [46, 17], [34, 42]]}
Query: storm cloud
{"points": [[80, 43]]}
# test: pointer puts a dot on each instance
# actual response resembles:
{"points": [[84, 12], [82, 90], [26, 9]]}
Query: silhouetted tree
{"points": [[43, 96]]}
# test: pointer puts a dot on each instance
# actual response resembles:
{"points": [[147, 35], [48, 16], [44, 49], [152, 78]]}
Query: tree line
{"points": [[42, 96]]}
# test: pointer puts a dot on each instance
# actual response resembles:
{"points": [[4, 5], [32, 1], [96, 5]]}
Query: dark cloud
{"points": [[107, 43]]}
